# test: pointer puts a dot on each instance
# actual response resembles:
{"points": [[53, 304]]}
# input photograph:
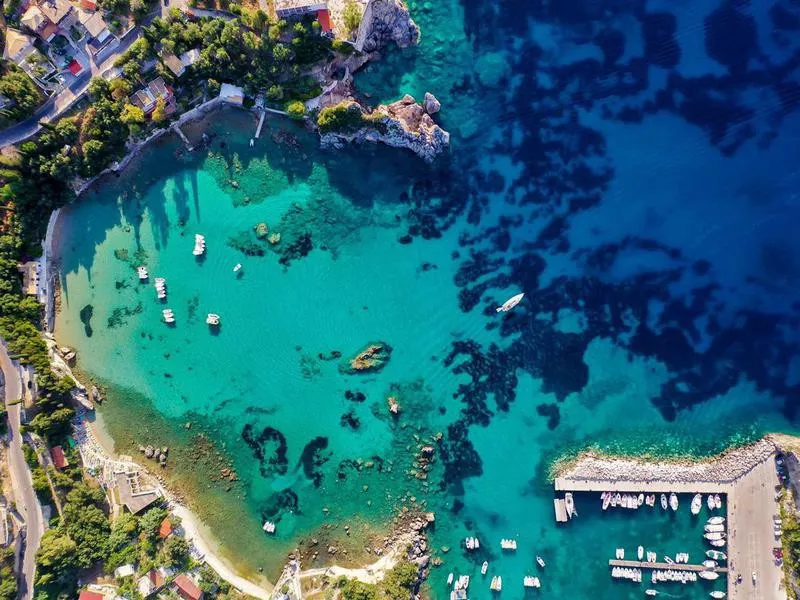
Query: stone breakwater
{"points": [[725, 468]]}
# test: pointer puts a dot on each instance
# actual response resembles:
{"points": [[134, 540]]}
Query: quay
{"points": [[747, 478], [635, 564], [561, 510], [177, 129], [260, 123]]}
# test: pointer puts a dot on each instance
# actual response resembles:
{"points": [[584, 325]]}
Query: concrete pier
{"points": [[176, 128], [636, 564], [260, 123]]}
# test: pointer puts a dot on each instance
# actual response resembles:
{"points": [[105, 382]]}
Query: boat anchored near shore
{"points": [[199, 245]]}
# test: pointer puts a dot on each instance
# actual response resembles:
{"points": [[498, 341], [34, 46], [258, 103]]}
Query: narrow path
{"points": [[27, 503]]}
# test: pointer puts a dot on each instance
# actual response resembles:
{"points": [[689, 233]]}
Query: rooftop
{"points": [[94, 23], [30, 277], [34, 19], [165, 530], [131, 494], [187, 589], [16, 43], [87, 595], [57, 455], [190, 57], [174, 64], [296, 8], [56, 10]]}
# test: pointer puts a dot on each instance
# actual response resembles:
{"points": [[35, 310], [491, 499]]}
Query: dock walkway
{"points": [[636, 564]]}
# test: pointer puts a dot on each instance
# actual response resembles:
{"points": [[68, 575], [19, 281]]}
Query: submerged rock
{"points": [[431, 104]]}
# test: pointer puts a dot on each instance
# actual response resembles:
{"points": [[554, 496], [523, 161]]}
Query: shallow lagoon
{"points": [[656, 257]]}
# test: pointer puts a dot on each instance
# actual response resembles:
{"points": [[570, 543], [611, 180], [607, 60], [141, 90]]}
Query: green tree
{"points": [[120, 88], [296, 110], [56, 559], [160, 112], [175, 553], [275, 92], [351, 16], [133, 117], [17, 86]]}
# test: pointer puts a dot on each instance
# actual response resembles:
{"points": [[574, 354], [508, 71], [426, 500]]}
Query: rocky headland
{"points": [[402, 124]]}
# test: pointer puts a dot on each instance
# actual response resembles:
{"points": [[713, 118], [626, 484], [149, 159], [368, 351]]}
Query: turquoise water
{"points": [[620, 164]]}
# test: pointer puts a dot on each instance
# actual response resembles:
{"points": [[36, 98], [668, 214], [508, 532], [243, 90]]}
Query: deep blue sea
{"points": [[631, 166]]}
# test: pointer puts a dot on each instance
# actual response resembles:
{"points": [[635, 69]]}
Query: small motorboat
{"points": [[450, 579], [717, 543], [716, 520], [569, 504], [673, 501], [199, 245], [142, 272], [269, 527], [664, 501], [651, 592], [716, 555], [640, 552], [697, 504], [716, 594], [508, 544], [710, 564], [606, 500], [640, 499], [710, 502], [510, 303], [237, 267], [540, 560], [620, 554], [714, 528], [709, 575], [717, 501], [715, 535], [212, 319], [484, 567], [497, 583], [668, 560], [169, 316]]}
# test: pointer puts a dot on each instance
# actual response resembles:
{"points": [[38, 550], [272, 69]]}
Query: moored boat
{"points": [[717, 501], [664, 501], [237, 267], [169, 316], [269, 527], [714, 535], [717, 594], [709, 528], [650, 592], [508, 544], [540, 560], [142, 272], [606, 500], [716, 520], [717, 543], [716, 555], [212, 319], [569, 504], [673, 501], [450, 579], [640, 552], [640, 499], [697, 504], [710, 502], [510, 303], [709, 575], [710, 564], [484, 567]]}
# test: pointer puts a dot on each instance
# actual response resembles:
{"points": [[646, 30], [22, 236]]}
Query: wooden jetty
{"points": [[260, 123], [561, 510], [635, 564]]}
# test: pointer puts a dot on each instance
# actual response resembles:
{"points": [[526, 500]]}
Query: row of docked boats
{"points": [[472, 543], [664, 575], [628, 573], [715, 531], [715, 594], [508, 544], [634, 501]]}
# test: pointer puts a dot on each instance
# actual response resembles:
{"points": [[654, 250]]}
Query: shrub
{"points": [[351, 16], [345, 117], [296, 110]]}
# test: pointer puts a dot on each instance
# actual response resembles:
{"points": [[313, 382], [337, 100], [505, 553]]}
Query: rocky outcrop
{"points": [[401, 124], [373, 358], [431, 104], [385, 21]]}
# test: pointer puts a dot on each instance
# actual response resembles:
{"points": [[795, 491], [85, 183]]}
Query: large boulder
{"points": [[431, 104], [385, 21]]}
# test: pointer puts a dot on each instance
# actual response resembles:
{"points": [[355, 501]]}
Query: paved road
{"points": [[27, 504], [751, 507], [62, 101]]}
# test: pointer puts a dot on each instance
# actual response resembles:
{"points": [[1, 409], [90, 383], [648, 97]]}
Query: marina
{"points": [[725, 496]]}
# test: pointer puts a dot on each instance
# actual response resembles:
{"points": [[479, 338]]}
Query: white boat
{"points": [[569, 504], [651, 557], [717, 543], [673, 501], [237, 267], [640, 552], [142, 272], [497, 583], [697, 504], [484, 567], [716, 594], [620, 554], [650, 592], [212, 319], [540, 560], [715, 535], [530, 582], [450, 579], [664, 501], [668, 560], [717, 501], [199, 245], [716, 520], [508, 544], [716, 555], [169, 316], [709, 575], [606, 500], [510, 303], [650, 500], [710, 502], [710, 564], [714, 528], [269, 527]]}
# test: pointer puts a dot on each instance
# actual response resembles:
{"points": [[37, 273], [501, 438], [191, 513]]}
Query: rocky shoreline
{"points": [[724, 468]]}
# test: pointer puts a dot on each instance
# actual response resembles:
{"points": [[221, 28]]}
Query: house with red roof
{"points": [[186, 588], [165, 530], [75, 67], [88, 595], [324, 19], [57, 455]]}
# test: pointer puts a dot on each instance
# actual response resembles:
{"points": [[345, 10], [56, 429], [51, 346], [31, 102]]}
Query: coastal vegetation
{"points": [[398, 584], [20, 89], [8, 580], [348, 117], [790, 543]]}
